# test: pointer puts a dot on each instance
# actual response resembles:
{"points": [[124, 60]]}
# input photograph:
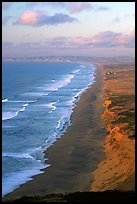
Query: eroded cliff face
{"points": [[117, 170], [119, 164]]}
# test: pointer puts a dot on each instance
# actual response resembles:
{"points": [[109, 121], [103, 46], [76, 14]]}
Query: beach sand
{"points": [[77, 152]]}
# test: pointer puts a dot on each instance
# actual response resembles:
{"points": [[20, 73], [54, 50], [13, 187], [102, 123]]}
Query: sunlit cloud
{"points": [[35, 18]]}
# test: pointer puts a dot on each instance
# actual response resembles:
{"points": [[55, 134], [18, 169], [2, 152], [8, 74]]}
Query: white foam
{"points": [[11, 114], [63, 120], [35, 94], [8, 115], [23, 107], [21, 110], [51, 105], [4, 100], [48, 105], [23, 101], [26, 104], [76, 71], [61, 83], [8, 126], [17, 155], [14, 180]]}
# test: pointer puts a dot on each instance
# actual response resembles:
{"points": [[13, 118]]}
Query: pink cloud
{"points": [[112, 42], [29, 18], [112, 39], [121, 40], [78, 7], [71, 7], [106, 39], [35, 18]]}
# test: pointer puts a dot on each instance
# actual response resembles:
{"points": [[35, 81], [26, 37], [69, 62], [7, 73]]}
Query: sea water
{"points": [[38, 99]]}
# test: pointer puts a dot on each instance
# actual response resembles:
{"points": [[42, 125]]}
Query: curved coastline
{"points": [[13, 181], [76, 153]]}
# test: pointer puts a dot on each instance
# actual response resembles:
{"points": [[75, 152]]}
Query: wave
{"points": [[64, 121], [59, 122], [32, 153], [76, 71], [8, 115], [17, 155], [4, 100], [23, 101], [51, 106], [14, 180], [8, 126], [35, 94], [11, 114], [48, 105], [61, 83], [61, 127], [26, 104]]}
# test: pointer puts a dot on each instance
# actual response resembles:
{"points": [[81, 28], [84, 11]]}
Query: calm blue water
{"points": [[37, 101]]}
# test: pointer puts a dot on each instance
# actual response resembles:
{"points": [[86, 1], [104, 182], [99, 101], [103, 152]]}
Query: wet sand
{"points": [[77, 152]]}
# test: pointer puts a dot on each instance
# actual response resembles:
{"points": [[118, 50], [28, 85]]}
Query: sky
{"points": [[98, 29]]}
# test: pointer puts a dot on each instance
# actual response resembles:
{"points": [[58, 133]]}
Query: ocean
{"points": [[38, 99]]}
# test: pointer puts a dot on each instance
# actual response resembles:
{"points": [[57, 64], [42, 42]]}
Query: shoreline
{"points": [[62, 125], [75, 149]]}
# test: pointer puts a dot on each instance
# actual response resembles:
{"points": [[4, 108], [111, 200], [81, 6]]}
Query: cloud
{"points": [[6, 5], [71, 7], [113, 39], [102, 41], [35, 18], [106, 39], [76, 7], [29, 18], [6, 19]]}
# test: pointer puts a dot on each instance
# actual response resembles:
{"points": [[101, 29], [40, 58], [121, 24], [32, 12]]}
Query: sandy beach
{"points": [[77, 152], [97, 153]]}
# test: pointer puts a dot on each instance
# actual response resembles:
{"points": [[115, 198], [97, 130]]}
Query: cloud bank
{"points": [[105, 40], [35, 18]]}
